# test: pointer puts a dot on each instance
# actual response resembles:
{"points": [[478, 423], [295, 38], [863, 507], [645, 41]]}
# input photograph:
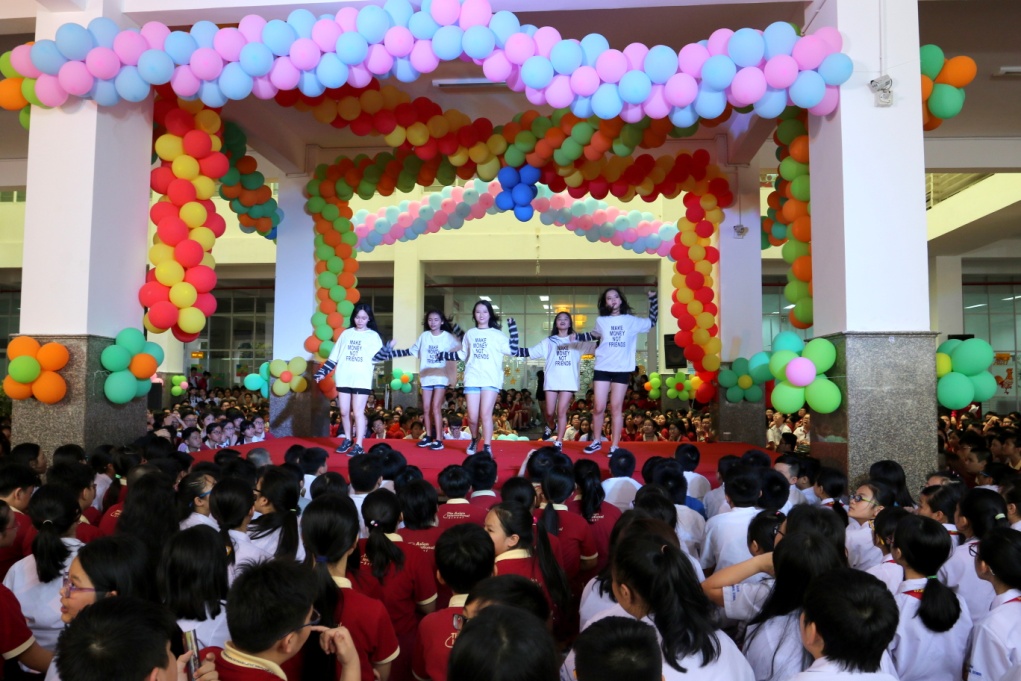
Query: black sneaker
{"points": [[472, 446], [594, 447], [436, 445], [558, 444], [613, 450], [345, 445], [355, 450], [547, 433], [487, 451], [424, 442]]}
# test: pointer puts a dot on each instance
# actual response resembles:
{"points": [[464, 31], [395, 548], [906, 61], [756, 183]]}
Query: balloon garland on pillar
{"points": [[962, 372], [245, 188], [131, 361], [799, 369]]}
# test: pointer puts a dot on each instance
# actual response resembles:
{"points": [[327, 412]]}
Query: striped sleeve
{"points": [[512, 328], [653, 308]]}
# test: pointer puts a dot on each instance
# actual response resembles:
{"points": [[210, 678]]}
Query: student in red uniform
{"points": [[80, 479], [504, 643], [401, 570], [17, 484], [122, 462], [590, 503], [270, 617], [419, 503], [329, 530], [16, 639], [456, 482], [577, 547], [482, 470], [118, 494], [464, 557]]}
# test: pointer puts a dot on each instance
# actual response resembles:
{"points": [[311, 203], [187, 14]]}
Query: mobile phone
{"points": [[191, 643]]}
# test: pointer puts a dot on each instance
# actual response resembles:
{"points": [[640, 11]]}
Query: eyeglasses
{"points": [[315, 619], [460, 620], [973, 550], [70, 589], [855, 498], [258, 492]]}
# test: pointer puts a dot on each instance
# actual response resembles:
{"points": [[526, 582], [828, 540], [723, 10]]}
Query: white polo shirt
{"points": [[245, 552], [690, 530], [773, 648], [726, 539], [210, 632], [889, 573], [862, 553], [698, 485], [920, 654], [199, 519], [40, 602], [959, 574], [996, 641], [621, 491], [828, 670]]}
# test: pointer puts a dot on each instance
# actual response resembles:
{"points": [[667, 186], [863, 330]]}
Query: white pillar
{"points": [[409, 300], [740, 270], [946, 295], [294, 287], [176, 355], [666, 325], [868, 173]]}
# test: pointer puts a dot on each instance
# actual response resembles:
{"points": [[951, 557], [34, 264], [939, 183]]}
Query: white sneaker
{"points": [[472, 446], [594, 447]]}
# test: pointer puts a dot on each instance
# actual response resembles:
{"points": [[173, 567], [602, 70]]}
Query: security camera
{"points": [[740, 231], [883, 83]]}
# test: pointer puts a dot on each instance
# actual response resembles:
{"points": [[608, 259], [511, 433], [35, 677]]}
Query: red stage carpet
{"points": [[508, 454]]}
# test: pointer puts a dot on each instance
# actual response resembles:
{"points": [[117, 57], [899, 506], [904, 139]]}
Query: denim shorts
{"points": [[480, 389]]}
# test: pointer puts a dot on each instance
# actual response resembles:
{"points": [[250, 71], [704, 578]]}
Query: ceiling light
{"points": [[972, 307], [544, 298], [450, 83], [788, 307], [485, 298]]}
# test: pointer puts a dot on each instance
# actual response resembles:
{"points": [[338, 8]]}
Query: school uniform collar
{"points": [[556, 507], [342, 582], [236, 657], [393, 537], [828, 501], [458, 600], [484, 493], [458, 501], [911, 585], [746, 510], [952, 529], [577, 497], [1004, 598], [513, 554], [82, 520]]}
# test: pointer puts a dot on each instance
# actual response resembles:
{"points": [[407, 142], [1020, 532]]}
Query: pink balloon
{"points": [[663, 250], [809, 52], [545, 38], [618, 239], [21, 60], [656, 106], [102, 62], [494, 189], [206, 64], [514, 82], [413, 210], [718, 41], [599, 216], [748, 86], [800, 372], [496, 67], [347, 18], [422, 58], [557, 201], [305, 54], [284, 75], [635, 53], [325, 33], [49, 91], [155, 33], [584, 81], [129, 46], [611, 66], [448, 205], [228, 43], [359, 76], [536, 97], [632, 113], [781, 71], [251, 27], [519, 48], [445, 12], [558, 93], [457, 194], [475, 13], [441, 217], [404, 220], [681, 90], [379, 60], [184, 82], [831, 38], [399, 41], [541, 204], [370, 220], [829, 103], [263, 88], [75, 78], [630, 233], [691, 58]]}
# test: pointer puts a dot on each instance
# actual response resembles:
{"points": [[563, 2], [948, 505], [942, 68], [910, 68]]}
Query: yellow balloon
{"points": [[744, 382], [194, 214], [349, 108], [685, 225], [217, 142], [708, 281], [191, 320], [160, 253], [298, 365], [169, 272], [277, 367], [943, 366], [396, 137], [299, 384], [479, 153], [689, 239], [372, 101], [696, 252], [392, 97], [678, 283], [705, 320], [325, 111], [168, 147], [192, 106], [185, 167], [700, 336], [708, 202], [209, 261], [208, 120], [418, 134], [204, 236], [695, 308], [695, 381], [458, 158], [280, 388], [183, 295], [497, 144], [575, 179], [205, 187], [149, 326], [438, 126], [713, 346], [488, 171], [684, 295], [703, 267], [711, 362], [714, 216]]}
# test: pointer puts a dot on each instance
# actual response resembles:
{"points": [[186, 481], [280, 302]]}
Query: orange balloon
{"points": [[312, 344], [49, 388], [21, 346], [773, 241], [926, 87], [10, 94], [53, 357], [799, 149], [15, 390], [802, 268], [405, 378], [773, 200], [353, 295], [958, 71], [794, 209], [335, 319], [932, 123], [647, 386], [143, 365], [328, 387], [801, 228]]}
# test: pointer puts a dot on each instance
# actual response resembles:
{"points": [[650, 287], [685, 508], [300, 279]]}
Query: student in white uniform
{"points": [[192, 583], [618, 648], [789, 466], [353, 356], [996, 640], [979, 512], [690, 524], [830, 488], [726, 534], [866, 502], [741, 602], [434, 376], [932, 634], [621, 487], [689, 457], [848, 620], [716, 499], [939, 502], [232, 506], [889, 572], [193, 500], [617, 331], [562, 354], [483, 349], [1011, 492], [275, 531]]}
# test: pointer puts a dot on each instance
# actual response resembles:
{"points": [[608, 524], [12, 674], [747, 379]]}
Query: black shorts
{"points": [[612, 376], [354, 391]]}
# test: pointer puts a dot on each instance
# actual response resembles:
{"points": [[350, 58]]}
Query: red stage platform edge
{"points": [[508, 454]]}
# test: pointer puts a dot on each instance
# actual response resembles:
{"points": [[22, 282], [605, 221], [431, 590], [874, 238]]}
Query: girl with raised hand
{"points": [[354, 353], [483, 348], [562, 353], [996, 640], [932, 634], [617, 331]]}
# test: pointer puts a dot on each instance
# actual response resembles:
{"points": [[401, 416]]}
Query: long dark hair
{"points": [[834, 484], [517, 519], [924, 546], [187, 489], [445, 322], [570, 324], [382, 513], [54, 511], [230, 503], [604, 309], [494, 319], [192, 577], [985, 510], [1000, 549], [123, 461], [281, 489], [588, 479], [150, 514], [118, 563], [891, 474], [557, 485], [368, 310]]}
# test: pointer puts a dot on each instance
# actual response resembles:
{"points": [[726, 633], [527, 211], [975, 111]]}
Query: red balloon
{"points": [[693, 353], [714, 330], [712, 254], [694, 213], [447, 144], [704, 295], [684, 266], [150, 275], [153, 292], [686, 322], [683, 339], [179, 122], [362, 125], [207, 303], [161, 210], [181, 192], [718, 185], [679, 252], [189, 253], [704, 229], [694, 280], [384, 121], [286, 376], [705, 393], [163, 314], [677, 309], [700, 158], [405, 114], [181, 335], [160, 178], [172, 230], [215, 165], [202, 278], [690, 199], [216, 224], [710, 307], [197, 144]]}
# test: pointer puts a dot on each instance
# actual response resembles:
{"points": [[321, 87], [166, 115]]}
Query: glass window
{"points": [[1001, 300], [1002, 332]]}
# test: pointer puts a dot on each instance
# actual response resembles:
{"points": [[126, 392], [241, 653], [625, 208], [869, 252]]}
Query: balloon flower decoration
{"points": [[943, 83], [653, 385], [279, 376], [962, 372], [402, 380], [33, 368], [739, 382], [679, 387], [179, 384], [518, 190], [799, 370], [131, 361]]}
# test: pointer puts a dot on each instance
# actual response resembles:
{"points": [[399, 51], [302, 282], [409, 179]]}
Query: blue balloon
{"points": [[772, 104], [746, 47], [635, 87], [522, 194], [546, 218], [374, 238], [74, 41], [422, 26], [104, 31], [537, 72], [478, 42], [508, 177], [352, 48], [203, 32], [104, 92], [309, 84], [46, 57], [373, 22], [257, 60], [211, 95], [582, 107], [566, 56], [606, 102], [710, 103], [426, 213], [592, 235], [504, 201], [435, 201], [652, 241], [179, 45], [455, 221], [156, 67], [234, 82], [302, 21], [504, 24], [780, 38], [404, 71], [718, 71], [279, 36], [529, 174], [130, 85], [593, 45], [463, 210], [400, 11], [382, 226], [447, 43], [808, 90], [836, 68], [660, 64], [392, 213], [529, 29], [524, 213]]}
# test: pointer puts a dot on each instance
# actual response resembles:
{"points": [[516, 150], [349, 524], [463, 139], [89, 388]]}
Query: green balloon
{"points": [[349, 238], [120, 387], [971, 357], [778, 364], [946, 101], [735, 394], [6, 69], [395, 384], [253, 382], [955, 391], [804, 310], [324, 332], [330, 212], [155, 350], [346, 307], [727, 379], [335, 264], [764, 241], [338, 294], [753, 394], [932, 60], [326, 348], [327, 280], [25, 117], [115, 358], [654, 394], [405, 387], [787, 398], [684, 395], [176, 391], [823, 395], [985, 385], [133, 340], [791, 169], [740, 366], [582, 132], [787, 340], [324, 252], [28, 92], [801, 188], [264, 372], [671, 393], [789, 130], [318, 319], [947, 347], [142, 387], [794, 291], [24, 369], [822, 353], [758, 367], [315, 204], [525, 141]]}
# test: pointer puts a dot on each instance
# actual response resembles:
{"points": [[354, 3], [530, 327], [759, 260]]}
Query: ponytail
{"points": [[985, 511], [230, 503], [925, 545], [187, 489], [54, 511], [123, 462], [382, 512], [517, 519], [557, 486], [587, 477], [280, 488], [834, 484]]}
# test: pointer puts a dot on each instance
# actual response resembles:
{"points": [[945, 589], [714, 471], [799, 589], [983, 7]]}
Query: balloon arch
{"points": [[607, 103]]}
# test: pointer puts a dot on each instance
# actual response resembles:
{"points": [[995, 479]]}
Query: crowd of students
{"points": [[781, 570]]}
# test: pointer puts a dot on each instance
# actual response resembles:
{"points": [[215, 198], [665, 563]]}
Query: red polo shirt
{"points": [[414, 584], [12, 554], [15, 636], [486, 498], [233, 665], [436, 637], [460, 511], [602, 524], [576, 540], [371, 630], [108, 525]]}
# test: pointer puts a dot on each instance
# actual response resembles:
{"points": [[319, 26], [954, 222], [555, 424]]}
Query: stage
{"points": [[508, 454]]}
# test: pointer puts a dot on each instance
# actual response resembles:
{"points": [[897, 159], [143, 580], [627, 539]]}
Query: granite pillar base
{"points": [[84, 416], [304, 414], [405, 400], [888, 383], [740, 421]]}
